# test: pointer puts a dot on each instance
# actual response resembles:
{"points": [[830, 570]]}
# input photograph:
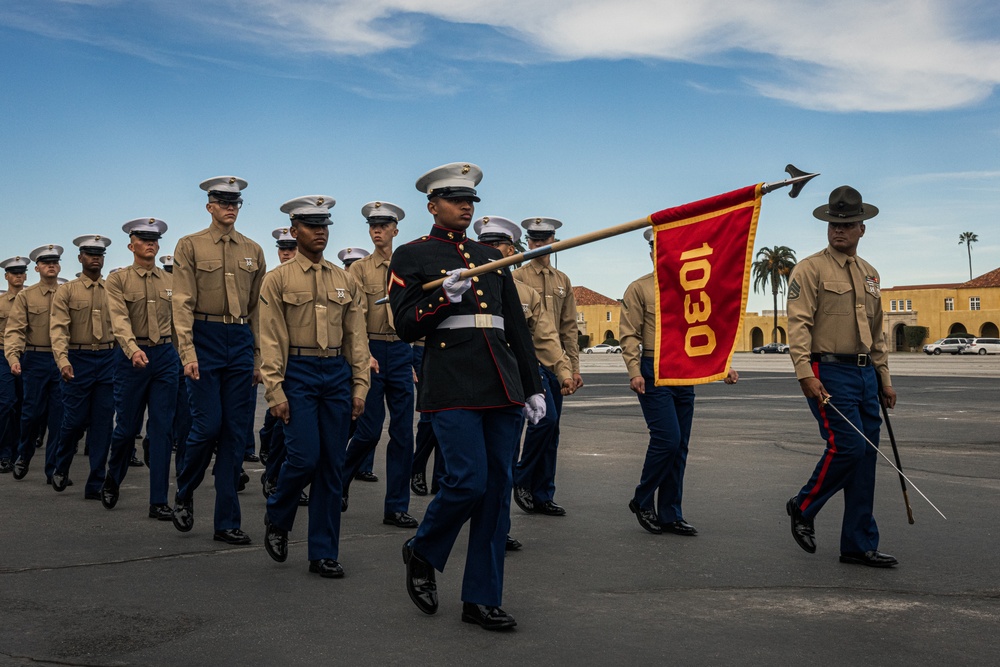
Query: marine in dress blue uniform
{"points": [[147, 368], [28, 349], [839, 351], [391, 372], [84, 349], [315, 369], [479, 370], [217, 277], [11, 391]]}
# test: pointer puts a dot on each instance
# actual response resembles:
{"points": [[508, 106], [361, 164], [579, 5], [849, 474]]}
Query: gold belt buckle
{"points": [[484, 320]]}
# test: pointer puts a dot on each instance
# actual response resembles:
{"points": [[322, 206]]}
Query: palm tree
{"points": [[968, 238], [772, 267]]}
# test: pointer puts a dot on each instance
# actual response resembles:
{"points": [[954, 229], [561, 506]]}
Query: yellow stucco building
{"points": [[971, 307]]}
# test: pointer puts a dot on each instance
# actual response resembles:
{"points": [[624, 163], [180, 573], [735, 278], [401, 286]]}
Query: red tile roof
{"points": [[991, 279], [588, 297]]}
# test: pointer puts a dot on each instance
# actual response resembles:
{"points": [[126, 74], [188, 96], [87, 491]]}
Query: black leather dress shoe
{"points": [[524, 499], [803, 531], [158, 512], [20, 468], [366, 476], [343, 503], [251, 457], [681, 527], [268, 486], [869, 558], [421, 584], [60, 481], [512, 544], [327, 568], [231, 536], [275, 541], [549, 508], [400, 520], [263, 454], [418, 484], [5, 466], [303, 499], [647, 518], [135, 462], [109, 494], [183, 515], [244, 478], [489, 618]]}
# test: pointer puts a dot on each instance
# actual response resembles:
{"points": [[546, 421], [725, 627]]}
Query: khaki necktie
{"points": [[322, 323], [96, 310], [229, 267], [864, 330], [152, 321]]}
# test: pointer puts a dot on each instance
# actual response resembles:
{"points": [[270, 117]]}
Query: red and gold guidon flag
{"points": [[702, 253]]}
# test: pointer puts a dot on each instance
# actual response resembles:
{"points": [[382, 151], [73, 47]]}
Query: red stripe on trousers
{"points": [[830, 452]]}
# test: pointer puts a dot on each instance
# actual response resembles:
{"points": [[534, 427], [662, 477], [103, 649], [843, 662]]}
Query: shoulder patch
{"points": [[794, 289]]}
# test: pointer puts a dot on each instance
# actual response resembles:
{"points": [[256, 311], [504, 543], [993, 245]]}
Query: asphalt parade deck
{"points": [[80, 585]]}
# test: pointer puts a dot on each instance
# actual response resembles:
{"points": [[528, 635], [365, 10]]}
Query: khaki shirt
{"points": [[372, 274], [638, 322], [288, 306], [557, 297], [6, 303], [28, 321], [76, 307], [543, 333], [200, 281], [128, 300], [822, 312]]}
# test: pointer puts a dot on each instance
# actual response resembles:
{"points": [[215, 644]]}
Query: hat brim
{"points": [[823, 213]]}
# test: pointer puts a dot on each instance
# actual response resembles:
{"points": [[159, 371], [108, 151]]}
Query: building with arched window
{"points": [[972, 308]]}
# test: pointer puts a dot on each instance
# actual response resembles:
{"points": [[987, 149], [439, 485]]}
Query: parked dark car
{"points": [[771, 348]]}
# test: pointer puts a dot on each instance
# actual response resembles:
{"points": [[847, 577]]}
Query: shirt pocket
{"points": [[79, 311], [299, 310], [837, 298], [245, 272]]}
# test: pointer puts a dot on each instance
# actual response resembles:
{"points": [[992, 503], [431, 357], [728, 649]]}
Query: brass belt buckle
{"points": [[862, 360], [484, 321]]}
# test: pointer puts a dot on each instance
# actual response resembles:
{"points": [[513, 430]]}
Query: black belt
{"points": [[313, 352], [93, 347], [225, 319], [859, 360], [146, 342]]}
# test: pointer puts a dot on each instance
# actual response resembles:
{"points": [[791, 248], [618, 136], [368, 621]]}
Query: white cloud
{"points": [[847, 55]]}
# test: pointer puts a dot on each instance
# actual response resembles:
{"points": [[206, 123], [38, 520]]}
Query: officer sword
{"points": [[826, 402]]}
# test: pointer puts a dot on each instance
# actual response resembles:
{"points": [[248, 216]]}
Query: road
{"points": [[83, 586]]}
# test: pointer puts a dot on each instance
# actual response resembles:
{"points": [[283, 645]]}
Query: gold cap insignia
{"points": [[319, 200], [231, 180], [152, 221], [486, 219], [378, 204], [465, 168]]}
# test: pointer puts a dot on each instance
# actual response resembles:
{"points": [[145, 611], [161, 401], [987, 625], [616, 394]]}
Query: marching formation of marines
{"points": [[335, 348]]}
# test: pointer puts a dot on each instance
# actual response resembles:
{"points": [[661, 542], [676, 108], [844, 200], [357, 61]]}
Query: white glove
{"points": [[454, 286], [534, 408]]}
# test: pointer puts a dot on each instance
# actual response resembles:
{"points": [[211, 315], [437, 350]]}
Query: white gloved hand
{"points": [[454, 286], [534, 408]]}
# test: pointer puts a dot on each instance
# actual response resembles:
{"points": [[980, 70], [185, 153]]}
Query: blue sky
{"points": [[595, 112]]}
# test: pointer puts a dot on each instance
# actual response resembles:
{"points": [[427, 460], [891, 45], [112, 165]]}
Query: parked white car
{"points": [[982, 346], [605, 348], [951, 345]]}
